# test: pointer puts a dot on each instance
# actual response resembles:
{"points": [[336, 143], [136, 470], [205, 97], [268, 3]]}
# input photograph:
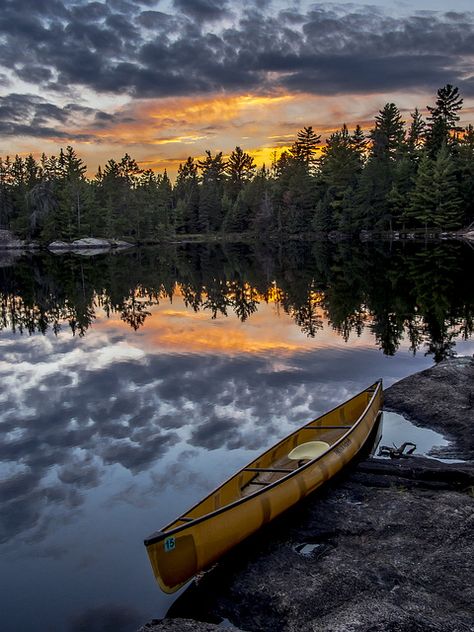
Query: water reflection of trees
{"points": [[425, 293]]}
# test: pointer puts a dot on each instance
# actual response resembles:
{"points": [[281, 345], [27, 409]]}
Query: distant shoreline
{"points": [[8, 241]]}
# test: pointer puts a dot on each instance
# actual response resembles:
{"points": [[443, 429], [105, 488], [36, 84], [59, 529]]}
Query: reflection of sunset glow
{"points": [[316, 298], [174, 328], [227, 340], [273, 294]]}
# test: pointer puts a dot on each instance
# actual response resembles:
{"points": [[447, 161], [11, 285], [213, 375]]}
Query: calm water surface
{"points": [[132, 384]]}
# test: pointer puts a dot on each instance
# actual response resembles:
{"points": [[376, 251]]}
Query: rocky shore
{"points": [[386, 547], [441, 398], [12, 245]]}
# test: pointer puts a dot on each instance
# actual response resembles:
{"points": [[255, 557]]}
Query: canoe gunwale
{"points": [[160, 535]]}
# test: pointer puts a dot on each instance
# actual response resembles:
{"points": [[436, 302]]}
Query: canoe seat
{"points": [[309, 450]]}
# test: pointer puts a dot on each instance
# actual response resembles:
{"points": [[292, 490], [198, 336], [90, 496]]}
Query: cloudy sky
{"points": [[164, 79]]}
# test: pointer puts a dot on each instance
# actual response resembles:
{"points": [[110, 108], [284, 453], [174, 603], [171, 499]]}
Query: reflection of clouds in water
{"points": [[82, 472], [177, 476], [37, 509], [73, 412], [46, 414], [216, 432]]}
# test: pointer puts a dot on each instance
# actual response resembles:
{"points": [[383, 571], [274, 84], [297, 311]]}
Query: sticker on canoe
{"points": [[342, 446], [169, 544]]}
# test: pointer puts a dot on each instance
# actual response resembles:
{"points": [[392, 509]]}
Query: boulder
{"points": [[441, 398]]}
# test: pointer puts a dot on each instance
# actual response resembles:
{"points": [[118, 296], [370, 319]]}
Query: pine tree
{"points": [[240, 168], [305, 148], [210, 206], [448, 210], [388, 133], [164, 215], [19, 191], [416, 134], [340, 169], [74, 199], [186, 195], [435, 199], [359, 144], [294, 194], [377, 178], [398, 198], [443, 120]]}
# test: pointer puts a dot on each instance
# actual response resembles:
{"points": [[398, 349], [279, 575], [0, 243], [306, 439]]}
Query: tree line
{"points": [[399, 176], [396, 291]]}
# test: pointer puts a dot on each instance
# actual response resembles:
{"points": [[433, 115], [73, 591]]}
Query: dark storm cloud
{"points": [[126, 47], [31, 115], [33, 74], [331, 73]]}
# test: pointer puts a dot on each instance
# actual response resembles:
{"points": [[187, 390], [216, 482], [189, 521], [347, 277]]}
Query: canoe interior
{"points": [[259, 492]]}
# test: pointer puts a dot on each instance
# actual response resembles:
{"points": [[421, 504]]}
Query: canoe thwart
{"points": [[308, 450], [326, 428], [282, 470]]}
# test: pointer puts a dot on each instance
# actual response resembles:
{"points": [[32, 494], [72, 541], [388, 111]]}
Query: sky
{"points": [[166, 79]]}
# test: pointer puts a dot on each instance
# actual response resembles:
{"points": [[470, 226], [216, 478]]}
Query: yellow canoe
{"points": [[262, 490]]}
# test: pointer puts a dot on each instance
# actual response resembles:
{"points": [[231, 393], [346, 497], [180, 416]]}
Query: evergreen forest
{"points": [[416, 176]]}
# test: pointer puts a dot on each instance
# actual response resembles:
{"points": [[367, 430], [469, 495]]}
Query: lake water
{"points": [[132, 384]]}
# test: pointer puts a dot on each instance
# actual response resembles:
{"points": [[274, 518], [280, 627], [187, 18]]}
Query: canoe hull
{"points": [[178, 554]]}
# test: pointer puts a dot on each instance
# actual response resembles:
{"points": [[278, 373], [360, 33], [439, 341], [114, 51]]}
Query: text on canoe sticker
{"points": [[169, 544]]}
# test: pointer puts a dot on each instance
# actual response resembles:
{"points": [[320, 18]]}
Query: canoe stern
{"points": [[173, 559]]}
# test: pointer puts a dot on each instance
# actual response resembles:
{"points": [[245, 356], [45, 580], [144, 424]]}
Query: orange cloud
{"points": [[151, 119], [262, 125]]}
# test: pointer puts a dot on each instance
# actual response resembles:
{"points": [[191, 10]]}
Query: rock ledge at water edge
{"points": [[91, 244], [440, 398]]}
